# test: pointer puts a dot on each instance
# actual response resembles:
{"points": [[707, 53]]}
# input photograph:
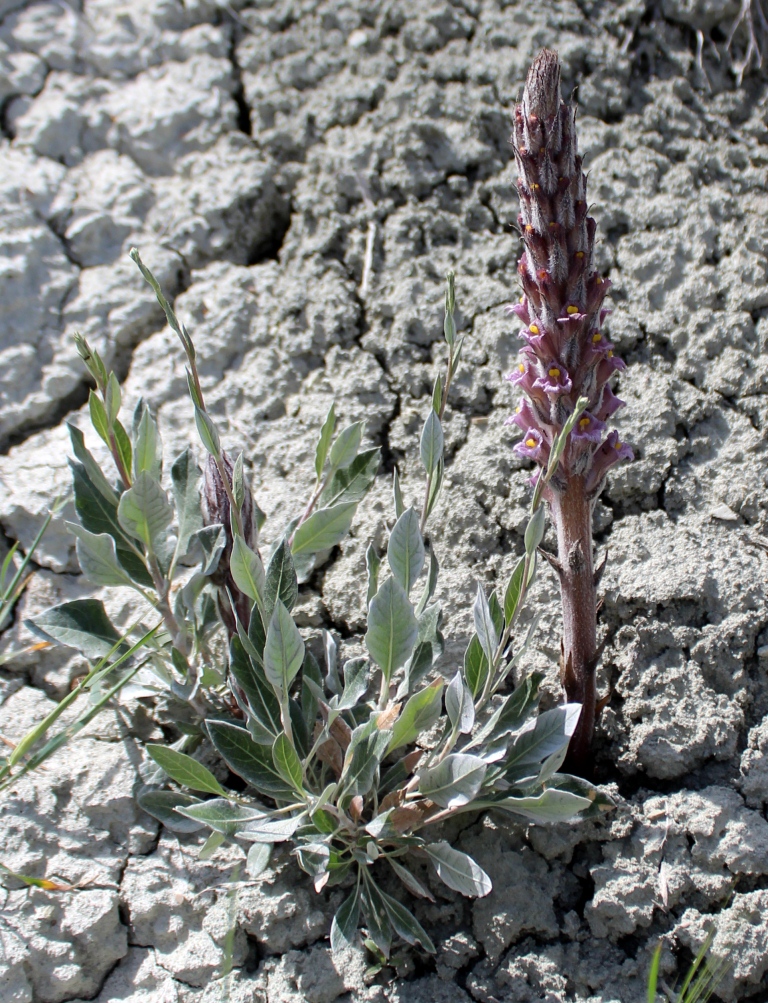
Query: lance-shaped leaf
{"points": [[355, 684], [392, 628], [222, 815], [238, 482], [113, 398], [376, 919], [185, 770], [362, 759], [458, 870], [93, 470], [99, 416], [98, 514], [512, 712], [550, 806], [270, 829], [405, 550], [145, 512], [123, 443], [211, 540], [97, 557], [431, 583], [600, 803], [281, 582], [262, 702], [251, 761], [81, 624], [148, 446], [287, 763], [419, 714], [428, 650], [313, 858], [206, 429], [459, 706], [344, 925], [541, 738], [324, 529], [284, 650], [247, 570], [372, 564], [324, 442], [484, 625], [258, 859], [310, 677], [514, 591], [411, 882], [162, 805], [332, 681], [186, 478], [352, 483], [432, 442], [475, 666], [345, 448], [405, 923], [454, 782], [534, 531]]}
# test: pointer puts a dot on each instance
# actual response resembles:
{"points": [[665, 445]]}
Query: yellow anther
{"points": [[579, 254], [599, 280], [528, 228], [610, 354], [535, 187], [571, 309], [552, 225], [583, 422], [531, 443], [618, 444], [534, 329], [555, 374], [597, 338], [521, 367]]}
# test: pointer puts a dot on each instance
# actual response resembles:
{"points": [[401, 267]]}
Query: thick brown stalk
{"points": [[572, 518]]}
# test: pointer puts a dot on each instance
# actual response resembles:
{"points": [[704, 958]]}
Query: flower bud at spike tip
{"points": [[565, 355]]}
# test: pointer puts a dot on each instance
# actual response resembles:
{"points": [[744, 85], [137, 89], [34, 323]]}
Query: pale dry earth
{"points": [[247, 148]]}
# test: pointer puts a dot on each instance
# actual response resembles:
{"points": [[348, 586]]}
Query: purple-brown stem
{"points": [[572, 518]]}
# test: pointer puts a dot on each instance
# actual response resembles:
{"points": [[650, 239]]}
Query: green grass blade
{"points": [[653, 977], [71, 730], [39, 731], [7, 563], [698, 962]]}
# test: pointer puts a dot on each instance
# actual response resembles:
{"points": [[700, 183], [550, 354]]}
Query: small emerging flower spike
{"points": [[216, 510], [565, 355]]}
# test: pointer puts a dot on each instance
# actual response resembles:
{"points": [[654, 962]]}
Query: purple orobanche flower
{"points": [[566, 355]]}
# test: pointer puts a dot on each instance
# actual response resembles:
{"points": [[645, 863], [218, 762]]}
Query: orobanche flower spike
{"points": [[565, 363]]}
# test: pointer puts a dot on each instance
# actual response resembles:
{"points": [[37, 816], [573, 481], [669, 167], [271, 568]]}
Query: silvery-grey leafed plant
{"points": [[355, 765], [566, 358], [134, 533]]}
